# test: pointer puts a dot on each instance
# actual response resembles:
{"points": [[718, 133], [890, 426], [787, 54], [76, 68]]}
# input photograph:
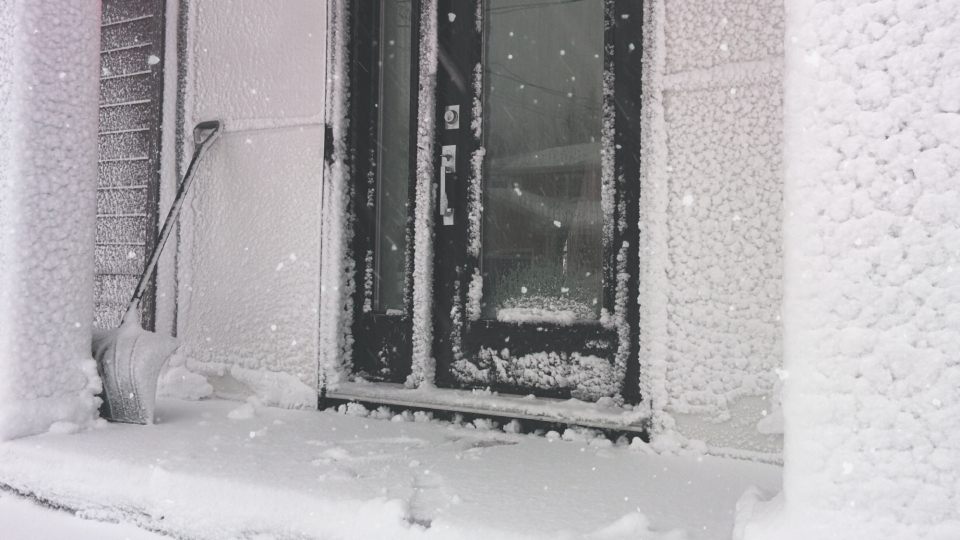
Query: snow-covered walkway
{"points": [[221, 470]]}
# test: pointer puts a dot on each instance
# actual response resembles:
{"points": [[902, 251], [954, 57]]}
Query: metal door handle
{"points": [[448, 164]]}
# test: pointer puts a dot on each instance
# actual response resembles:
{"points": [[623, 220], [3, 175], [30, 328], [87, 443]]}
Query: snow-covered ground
{"points": [[218, 469], [21, 519]]}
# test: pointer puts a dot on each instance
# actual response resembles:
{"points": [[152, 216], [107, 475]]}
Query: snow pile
{"points": [[273, 473], [177, 381], [48, 178], [635, 525], [670, 443], [277, 388], [872, 290]]}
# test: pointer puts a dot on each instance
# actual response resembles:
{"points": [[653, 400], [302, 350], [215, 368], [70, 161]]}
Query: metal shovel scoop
{"points": [[129, 358]]}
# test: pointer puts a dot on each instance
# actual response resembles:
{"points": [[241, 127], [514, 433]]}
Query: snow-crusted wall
{"points": [[49, 69], [710, 217], [250, 238], [872, 274]]}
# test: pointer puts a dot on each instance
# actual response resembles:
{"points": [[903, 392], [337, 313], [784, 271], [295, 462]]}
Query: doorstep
{"points": [[283, 474], [479, 402]]}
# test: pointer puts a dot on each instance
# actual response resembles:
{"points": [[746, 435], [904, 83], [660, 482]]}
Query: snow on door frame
{"points": [[339, 263]]}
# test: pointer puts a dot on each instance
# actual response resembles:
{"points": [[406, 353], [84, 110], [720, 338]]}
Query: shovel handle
{"points": [[204, 135]]}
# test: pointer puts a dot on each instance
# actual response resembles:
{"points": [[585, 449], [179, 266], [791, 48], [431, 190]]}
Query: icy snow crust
{"points": [[872, 290], [271, 473], [711, 191], [48, 178]]}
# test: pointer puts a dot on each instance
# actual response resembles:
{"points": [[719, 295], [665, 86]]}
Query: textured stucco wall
{"points": [[249, 254], [48, 181], [711, 214]]}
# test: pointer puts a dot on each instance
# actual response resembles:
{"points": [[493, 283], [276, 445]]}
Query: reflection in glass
{"points": [[393, 152], [543, 110]]}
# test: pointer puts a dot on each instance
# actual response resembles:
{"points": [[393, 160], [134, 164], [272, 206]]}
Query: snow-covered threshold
{"points": [[872, 282], [215, 470]]}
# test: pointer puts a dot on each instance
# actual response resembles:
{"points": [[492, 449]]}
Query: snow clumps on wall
{"points": [[711, 207], [872, 291]]}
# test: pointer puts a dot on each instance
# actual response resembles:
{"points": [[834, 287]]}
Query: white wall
{"points": [[711, 193], [249, 251], [49, 84]]}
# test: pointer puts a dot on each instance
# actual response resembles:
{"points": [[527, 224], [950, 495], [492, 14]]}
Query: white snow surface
{"points": [[305, 474], [872, 292], [48, 178], [24, 519]]}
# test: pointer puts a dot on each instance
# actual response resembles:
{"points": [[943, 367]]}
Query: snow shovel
{"points": [[129, 358]]}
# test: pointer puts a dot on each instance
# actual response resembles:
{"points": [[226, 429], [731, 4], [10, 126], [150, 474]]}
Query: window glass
{"points": [[543, 112], [393, 151]]}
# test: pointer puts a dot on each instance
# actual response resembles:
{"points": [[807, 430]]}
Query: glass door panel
{"points": [[531, 283], [543, 113]]}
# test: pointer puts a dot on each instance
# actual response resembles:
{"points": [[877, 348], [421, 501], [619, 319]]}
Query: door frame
{"points": [[421, 336]]}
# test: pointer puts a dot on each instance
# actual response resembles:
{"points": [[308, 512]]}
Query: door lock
{"points": [[451, 117], [448, 164]]}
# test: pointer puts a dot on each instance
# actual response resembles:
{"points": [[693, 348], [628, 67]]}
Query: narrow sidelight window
{"points": [[393, 157]]}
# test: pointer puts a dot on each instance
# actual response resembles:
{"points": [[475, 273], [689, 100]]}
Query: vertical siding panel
{"points": [[131, 95]]}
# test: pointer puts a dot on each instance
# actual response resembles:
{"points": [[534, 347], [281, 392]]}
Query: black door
{"points": [[536, 224], [537, 154]]}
